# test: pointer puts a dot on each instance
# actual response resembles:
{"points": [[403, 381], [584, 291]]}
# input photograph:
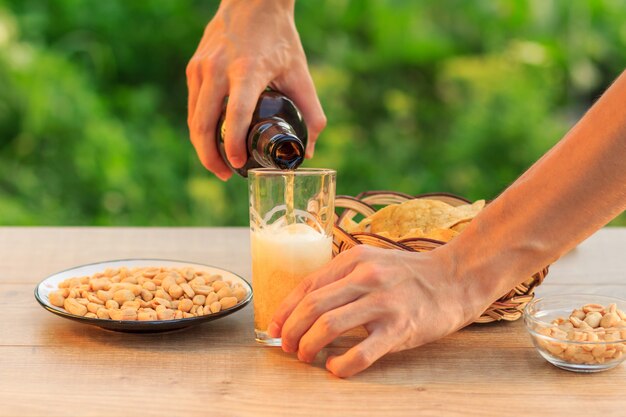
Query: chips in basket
{"points": [[418, 218]]}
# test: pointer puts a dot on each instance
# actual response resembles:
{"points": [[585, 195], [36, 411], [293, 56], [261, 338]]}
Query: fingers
{"points": [[333, 324], [203, 127], [301, 90], [361, 356], [242, 101], [336, 269], [315, 306]]}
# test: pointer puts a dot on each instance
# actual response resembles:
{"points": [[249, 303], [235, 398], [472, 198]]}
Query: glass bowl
{"points": [[573, 344]]}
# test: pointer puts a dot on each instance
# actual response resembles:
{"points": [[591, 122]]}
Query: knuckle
{"points": [[304, 349], [237, 110], [375, 274], [360, 252], [318, 124], [306, 284], [371, 275], [362, 358], [310, 305], [209, 69], [242, 67], [199, 125], [287, 341], [328, 323], [192, 68]]}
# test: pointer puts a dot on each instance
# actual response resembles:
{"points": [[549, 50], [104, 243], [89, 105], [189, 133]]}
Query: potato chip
{"points": [[444, 235], [459, 227], [417, 232], [421, 217]]}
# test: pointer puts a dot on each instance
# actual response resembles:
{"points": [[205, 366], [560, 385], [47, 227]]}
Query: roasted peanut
{"points": [[103, 313], [150, 272], [213, 278], [185, 305], [175, 291], [210, 299], [609, 320], [189, 292], [576, 322], [74, 307], [134, 304], [156, 301], [131, 280], [100, 284], [146, 295], [203, 289], [199, 299], [82, 301], [123, 314], [197, 281], [240, 293], [215, 307], [228, 302], [168, 281], [163, 294], [94, 299], [56, 298], [146, 315], [165, 314], [590, 308], [121, 296], [224, 292], [93, 307], [579, 314], [593, 319]]}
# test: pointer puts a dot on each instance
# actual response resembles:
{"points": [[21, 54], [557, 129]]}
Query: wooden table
{"points": [[50, 366]]}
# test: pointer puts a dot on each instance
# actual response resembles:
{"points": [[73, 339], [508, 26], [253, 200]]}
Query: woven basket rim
{"points": [[370, 193]]}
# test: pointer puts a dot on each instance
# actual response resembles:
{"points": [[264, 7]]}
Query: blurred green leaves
{"points": [[420, 96]]}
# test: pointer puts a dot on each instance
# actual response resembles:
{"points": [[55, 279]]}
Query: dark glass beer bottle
{"points": [[277, 136]]}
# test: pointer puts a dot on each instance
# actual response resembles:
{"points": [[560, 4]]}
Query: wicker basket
{"points": [[508, 307]]}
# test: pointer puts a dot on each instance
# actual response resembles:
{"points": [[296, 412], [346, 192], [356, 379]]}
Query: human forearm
{"points": [[572, 191]]}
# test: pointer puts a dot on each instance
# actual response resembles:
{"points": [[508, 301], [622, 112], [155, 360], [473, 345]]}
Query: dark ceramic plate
{"points": [[51, 283]]}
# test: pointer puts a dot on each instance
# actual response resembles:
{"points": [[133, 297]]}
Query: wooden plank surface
{"points": [[54, 367]]}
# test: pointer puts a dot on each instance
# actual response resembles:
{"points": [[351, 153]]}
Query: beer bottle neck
{"points": [[274, 144]]}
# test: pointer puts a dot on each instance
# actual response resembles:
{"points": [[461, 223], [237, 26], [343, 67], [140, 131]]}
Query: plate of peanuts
{"points": [[143, 295]]}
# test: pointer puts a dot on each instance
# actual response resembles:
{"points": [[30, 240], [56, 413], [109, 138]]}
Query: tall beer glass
{"points": [[291, 222]]}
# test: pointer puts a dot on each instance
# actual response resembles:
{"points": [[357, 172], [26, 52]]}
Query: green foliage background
{"points": [[420, 96]]}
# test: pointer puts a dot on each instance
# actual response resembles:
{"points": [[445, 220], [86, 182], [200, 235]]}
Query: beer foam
{"points": [[281, 257]]}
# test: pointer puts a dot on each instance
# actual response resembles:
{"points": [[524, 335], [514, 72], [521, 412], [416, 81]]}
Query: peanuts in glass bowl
{"points": [[574, 334], [147, 294]]}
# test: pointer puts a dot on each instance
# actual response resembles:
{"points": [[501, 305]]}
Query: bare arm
{"points": [[576, 188], [406, 299]]}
